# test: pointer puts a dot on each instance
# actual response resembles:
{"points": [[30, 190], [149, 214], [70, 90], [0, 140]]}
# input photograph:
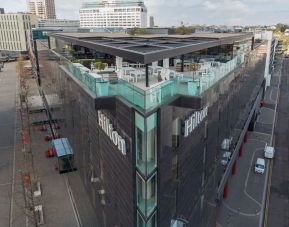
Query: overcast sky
{"points": [[191, 12]]}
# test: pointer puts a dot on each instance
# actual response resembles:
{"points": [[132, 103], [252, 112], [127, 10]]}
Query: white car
{"points": [[269, 152], [226, 158], [260, 166]]}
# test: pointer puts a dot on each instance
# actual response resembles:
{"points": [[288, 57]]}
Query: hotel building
{"points": [[44, 9], [113, 13], [150, 128]]}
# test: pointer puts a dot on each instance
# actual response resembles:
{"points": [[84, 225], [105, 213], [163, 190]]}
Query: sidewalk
{"points": [[65, 201]]}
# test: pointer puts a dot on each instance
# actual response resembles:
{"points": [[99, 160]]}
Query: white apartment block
{"points": [[113, 13], [44, 9], [13, 28]]}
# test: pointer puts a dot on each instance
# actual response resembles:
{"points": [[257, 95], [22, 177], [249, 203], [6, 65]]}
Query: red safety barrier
{"points": [[234, 169], [226, 191], [48, 138], [246, 137], [241, 150], [50, 153], [56, 126], [43, 128], [263, 102]]}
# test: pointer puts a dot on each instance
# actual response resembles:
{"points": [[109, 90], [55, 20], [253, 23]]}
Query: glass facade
{"points": [[146, 194], [146, 143], [146, 163], [152, 222]]}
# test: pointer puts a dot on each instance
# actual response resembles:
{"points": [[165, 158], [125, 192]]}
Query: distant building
{"points": [[287, 32], [13, 31], [152, 22], [113, 13], [44, 9], [2, 11], [58, 24]]}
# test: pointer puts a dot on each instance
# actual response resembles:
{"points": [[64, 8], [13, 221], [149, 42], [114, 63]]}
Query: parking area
{"points": [[244, 203]]}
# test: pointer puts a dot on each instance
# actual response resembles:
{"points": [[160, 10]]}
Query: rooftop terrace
{"points": [[144, 83], [149, 48]]}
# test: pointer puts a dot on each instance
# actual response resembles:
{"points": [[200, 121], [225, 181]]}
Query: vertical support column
{"points": [[147, 76], [118, 64], [226, 191], [241, 150], [234, 169], [182, 63], [166, 63]]}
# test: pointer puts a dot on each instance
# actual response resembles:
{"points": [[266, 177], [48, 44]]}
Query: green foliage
{"points": [[281, 27], [138, 31], [99, 65], [183, 30]]}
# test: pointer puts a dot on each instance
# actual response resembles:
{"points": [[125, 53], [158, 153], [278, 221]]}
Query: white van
{"points": [[269, 152], [260, 166]]}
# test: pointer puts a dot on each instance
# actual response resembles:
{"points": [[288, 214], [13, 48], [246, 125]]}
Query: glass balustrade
{"points": [[146, 100]]}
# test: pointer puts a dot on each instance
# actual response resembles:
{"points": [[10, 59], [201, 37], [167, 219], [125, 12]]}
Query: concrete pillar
{"points": [[118, 64], [166, 63]]}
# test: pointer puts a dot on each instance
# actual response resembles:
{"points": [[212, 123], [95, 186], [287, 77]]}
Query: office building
{"points": [[2, 11], [113, 13], [152, 22], [44, 9], [65, 25], [149, 129], [13, 28]]}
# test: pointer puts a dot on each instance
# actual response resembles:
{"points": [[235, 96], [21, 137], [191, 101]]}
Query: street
{"points": [[278, 205], [245, 203]]}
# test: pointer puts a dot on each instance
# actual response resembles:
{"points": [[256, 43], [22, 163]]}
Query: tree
{"points": [[182, 30], [138, 31]]}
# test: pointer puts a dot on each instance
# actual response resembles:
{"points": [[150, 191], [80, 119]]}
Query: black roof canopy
{"points": [[149, 48]]}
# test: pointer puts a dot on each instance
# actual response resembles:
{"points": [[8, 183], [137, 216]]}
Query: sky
{"points": [[190, 12]]}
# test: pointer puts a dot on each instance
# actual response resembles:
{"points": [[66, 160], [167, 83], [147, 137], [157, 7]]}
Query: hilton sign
{"points": [[194, 120], [107, 127]]}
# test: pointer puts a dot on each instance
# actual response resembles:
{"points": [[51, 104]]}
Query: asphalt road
{"points": [[278, 212], [245, 203], [11, 199]]}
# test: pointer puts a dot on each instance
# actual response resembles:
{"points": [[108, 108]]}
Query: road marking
{"points": [[248, 175], [5, 184], [239, 212], [76, 214]]}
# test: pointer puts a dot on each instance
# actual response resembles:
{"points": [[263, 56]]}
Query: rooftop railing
{"points": [[157, 94]]}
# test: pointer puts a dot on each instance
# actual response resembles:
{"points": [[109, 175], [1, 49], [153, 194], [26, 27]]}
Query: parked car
{"points": [[226, 158], [269, 152], [260, 166]]}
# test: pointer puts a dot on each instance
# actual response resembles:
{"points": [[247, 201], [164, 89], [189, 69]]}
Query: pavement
{"points": [[11, 192], [245, 203], [64, 200], [278, 204]]}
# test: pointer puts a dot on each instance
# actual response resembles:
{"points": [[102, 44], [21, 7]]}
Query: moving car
{"points": [[260, 166], [269, 152], [226, 158]]}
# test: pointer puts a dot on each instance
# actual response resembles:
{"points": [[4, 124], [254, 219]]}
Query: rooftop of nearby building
{"points": [[146, 49], [111, 3]]}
